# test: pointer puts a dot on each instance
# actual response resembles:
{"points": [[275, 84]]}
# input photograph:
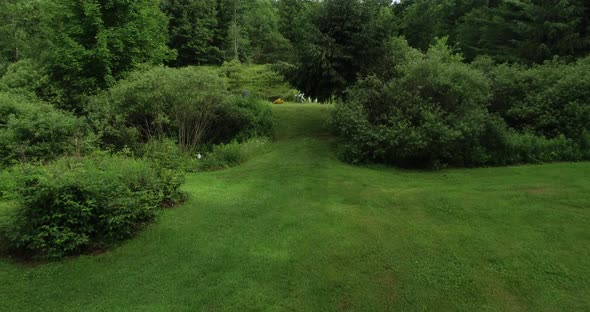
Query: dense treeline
{"points": [[153, 84], [322, 46], [339, 39]]}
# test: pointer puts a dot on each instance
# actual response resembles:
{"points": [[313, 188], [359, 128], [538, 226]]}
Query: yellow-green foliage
{"points": [[258, 80]]}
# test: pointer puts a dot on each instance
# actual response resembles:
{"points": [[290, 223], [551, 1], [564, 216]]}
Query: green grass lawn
{"points": [[295, 229]]}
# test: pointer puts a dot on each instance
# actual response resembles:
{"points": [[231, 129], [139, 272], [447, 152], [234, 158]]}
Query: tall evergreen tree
{"points": [[192, 28], [346, 39], [526, 32], [89, 44], [493, 31], [554, 28], [19, 22], [425, 20]]}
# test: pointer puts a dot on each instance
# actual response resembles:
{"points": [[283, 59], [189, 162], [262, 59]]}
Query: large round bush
{"points": [[433, 114], [191, 105]]}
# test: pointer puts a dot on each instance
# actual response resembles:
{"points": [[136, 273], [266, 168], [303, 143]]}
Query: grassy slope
{"points": [[297, 230]]}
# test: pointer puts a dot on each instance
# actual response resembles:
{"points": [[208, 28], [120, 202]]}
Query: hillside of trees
{"points": [[322, 46]]}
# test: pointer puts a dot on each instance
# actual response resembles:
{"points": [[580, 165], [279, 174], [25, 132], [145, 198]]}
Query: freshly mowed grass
{"points": [[295, 229]]}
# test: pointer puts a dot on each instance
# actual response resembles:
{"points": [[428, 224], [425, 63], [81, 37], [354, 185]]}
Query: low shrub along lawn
{"points": [[78, 204], [232, 154]]}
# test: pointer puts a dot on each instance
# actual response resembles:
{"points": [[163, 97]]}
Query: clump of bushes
{"points": [[432, 109], [549, 100], [25, 78], [166, 154], [34, 131], [245, 118], [72, 199], [76, 205], [432, 114], [524, 148], [191, 105], [232, 154]]}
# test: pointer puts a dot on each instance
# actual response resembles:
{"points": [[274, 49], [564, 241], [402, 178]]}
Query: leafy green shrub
{"points": [[191, 105], [170, 182], [165, 153], [232, 154], [242, 119], [155, 103], [23, 77], [550, 99], [433, 114], [397, 52], [529, 148], [170, 163], [31, 130], [434, 110], [77, 204]]}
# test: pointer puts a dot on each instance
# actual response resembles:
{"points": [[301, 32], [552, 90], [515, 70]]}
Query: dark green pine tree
{"points": [[425, 20], [89, 44], [19, 24], [346, 38], [555, 28], [493, 31], [192, 30], [525, 32]]}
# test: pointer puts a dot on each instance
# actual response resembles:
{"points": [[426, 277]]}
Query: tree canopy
{"points": [[322, 47]]}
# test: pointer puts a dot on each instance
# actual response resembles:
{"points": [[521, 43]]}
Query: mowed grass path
{"points": [[295, 229]]}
